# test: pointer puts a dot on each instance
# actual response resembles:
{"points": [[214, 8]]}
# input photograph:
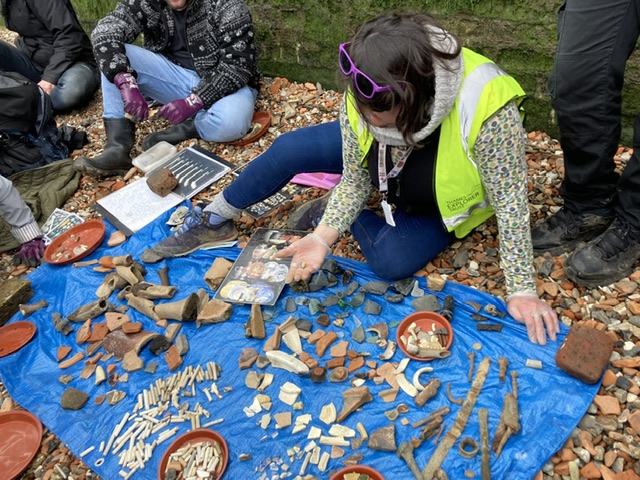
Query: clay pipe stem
{"points": [[483, 415], [28, 309], [163, 273], [405, 452]]}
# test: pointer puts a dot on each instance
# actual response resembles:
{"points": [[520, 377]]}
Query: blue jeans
{"points": [[392, 252], [162, 80], [595, 40], [74, 89]]}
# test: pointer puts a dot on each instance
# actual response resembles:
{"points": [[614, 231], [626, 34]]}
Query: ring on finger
{"points": [[536, 315], [544, 313], [303, 265]]}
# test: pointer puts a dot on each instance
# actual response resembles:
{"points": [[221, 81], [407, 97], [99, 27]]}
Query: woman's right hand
{"points": [[308, 256]]}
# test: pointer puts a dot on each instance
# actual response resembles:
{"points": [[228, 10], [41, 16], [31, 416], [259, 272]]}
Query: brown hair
{"points": [[397, 49]]}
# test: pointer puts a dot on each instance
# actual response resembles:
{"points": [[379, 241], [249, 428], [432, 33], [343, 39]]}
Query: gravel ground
{"points": [[606, 443]]}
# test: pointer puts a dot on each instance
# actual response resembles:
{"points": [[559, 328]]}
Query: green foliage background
{"points": [[298, 39]]}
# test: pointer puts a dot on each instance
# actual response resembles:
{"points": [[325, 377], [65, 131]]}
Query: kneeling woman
{"points": [[434, 127]]}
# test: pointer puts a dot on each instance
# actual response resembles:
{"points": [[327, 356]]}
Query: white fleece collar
{"points": [[448, 81]]}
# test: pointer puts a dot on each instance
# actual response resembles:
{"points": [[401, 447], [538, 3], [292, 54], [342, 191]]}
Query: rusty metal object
{"points": [[485, 455], [427, 393], [489, 327], [509, 419], [442, 411], [431, 428], [452, 399], [503, 364], [472, 361], [468, 447], [405, 452], [457, 428]]}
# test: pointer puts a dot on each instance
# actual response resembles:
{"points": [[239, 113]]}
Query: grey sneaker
{"points": [[196, 232], [308, 214], [563, 231]]}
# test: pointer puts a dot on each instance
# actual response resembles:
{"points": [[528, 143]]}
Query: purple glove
{"points": [[134, 103], [30, 252], [178, 111]]}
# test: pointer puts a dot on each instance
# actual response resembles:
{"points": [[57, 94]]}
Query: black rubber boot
{"points": [[115, 159], [173, 135]]}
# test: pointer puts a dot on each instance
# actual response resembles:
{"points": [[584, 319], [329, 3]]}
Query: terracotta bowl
{"points": [[425, 320], [76, 243], [262, 118], [363, 469], [19, 442], [195, 436]]}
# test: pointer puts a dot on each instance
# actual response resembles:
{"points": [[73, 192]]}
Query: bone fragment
{"points": [[28, 309], [416, 377], [406, 385]]}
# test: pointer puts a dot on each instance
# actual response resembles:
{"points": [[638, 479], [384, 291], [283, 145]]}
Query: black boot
{"points": [[563, 231], [173, 135], [115, 159], [606, 259]]}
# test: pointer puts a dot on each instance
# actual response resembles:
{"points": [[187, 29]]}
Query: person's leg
{"points": [[595, 39], [613, 254], [229, 118], [75, 88], [157, 77], [13, 60], [629, 184], [398, 252], [311, 149]]}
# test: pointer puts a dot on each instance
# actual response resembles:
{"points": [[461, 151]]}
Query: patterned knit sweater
{"points": [[219, 33]]}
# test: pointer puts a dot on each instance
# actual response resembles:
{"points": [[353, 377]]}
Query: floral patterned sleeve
{"points": [[351, 194], [499, 151]]}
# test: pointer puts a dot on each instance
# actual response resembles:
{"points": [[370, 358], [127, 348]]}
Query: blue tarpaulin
{"points": [[551, 403]]}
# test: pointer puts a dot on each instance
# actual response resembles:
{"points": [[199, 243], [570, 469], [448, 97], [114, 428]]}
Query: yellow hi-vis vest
{"points": [[461, 198]]}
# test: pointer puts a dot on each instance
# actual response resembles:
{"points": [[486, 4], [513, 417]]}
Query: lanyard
{"points": [[383, 178]]}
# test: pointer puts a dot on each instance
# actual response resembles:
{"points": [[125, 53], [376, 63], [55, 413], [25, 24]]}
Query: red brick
{"points": [[585, 353]]}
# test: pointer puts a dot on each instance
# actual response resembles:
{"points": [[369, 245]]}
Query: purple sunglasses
{"points": [[365, 86]]}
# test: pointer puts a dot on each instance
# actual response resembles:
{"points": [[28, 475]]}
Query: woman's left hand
{"points": [[540, 319]]}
